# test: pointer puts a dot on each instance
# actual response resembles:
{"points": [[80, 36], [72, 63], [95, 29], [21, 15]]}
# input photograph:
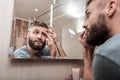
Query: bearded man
{"points": [[102, 29]]}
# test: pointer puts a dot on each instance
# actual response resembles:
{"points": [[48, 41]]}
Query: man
{"points": [[40, 43], [102, 28]]}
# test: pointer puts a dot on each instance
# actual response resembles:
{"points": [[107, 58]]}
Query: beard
{"points": [[36, 47], [98, 33]]}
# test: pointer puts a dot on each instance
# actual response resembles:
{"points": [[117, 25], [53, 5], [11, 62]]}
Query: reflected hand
{"points": [[51, 45], [49, 42], [53, 34], [56, 42]]}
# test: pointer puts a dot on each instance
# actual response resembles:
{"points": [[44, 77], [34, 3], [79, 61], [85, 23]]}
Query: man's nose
{"points": [[39, 36], [85, 24]]}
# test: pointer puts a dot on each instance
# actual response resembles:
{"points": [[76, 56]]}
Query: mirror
{"points": [[68, 18]]}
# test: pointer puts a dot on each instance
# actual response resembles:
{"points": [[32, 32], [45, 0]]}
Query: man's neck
{"points": [[32, 50]]}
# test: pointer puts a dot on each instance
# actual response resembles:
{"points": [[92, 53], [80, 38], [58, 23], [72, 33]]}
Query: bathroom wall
{"points": [[27, 69]]}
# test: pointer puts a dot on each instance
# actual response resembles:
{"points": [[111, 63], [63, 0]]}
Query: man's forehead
{"points": [[90, 1], [91, 5], [38, 28]]}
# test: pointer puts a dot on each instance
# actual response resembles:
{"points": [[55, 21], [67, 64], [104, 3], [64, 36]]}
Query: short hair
{"points": [[101, 3], [41, 24], [89, 1]]}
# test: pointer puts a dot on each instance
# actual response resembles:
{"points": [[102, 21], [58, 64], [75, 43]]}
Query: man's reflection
{"points": [[41, 42]]}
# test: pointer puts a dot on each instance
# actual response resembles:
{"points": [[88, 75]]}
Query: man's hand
{"points": [[53, 34], [50, 42], [88, 56], [82, 39], [56, 42], [52, 47]]}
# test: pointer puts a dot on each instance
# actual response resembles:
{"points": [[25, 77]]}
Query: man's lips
{"points": [[38, 41]]}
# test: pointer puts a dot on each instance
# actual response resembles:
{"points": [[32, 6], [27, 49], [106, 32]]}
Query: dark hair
{"points": [[89, 1], [41, 24]]}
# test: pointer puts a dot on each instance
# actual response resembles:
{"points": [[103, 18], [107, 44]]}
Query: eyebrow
{"points": [[36, 30]]}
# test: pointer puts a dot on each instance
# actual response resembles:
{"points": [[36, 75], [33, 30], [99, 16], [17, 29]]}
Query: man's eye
{"points": [[36, 32], [44, 34], [88, 15]]}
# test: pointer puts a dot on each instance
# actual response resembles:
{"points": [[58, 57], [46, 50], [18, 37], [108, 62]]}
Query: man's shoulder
{"points": [[112, 43], [23, 48], [105, 69], [21, 52], [110, 49]]}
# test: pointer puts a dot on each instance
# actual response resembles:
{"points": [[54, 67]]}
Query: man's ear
{"points": [[111, 7]]}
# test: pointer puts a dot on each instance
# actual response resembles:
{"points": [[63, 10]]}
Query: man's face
{"points": [[37, 37], [95, 25]]}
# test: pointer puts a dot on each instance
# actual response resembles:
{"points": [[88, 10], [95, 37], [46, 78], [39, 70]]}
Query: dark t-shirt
{"points": [[106, 61], [23, 52]]}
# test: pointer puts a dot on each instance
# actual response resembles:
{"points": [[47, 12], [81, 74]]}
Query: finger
{"points": [[85, 33], [47, 34], [47, 41], [52, 32], [82, 34], [81, 38], [53, 29]]}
